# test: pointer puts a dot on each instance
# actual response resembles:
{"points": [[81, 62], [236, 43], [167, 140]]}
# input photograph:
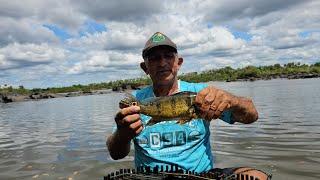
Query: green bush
{"points": [[222, 74]]}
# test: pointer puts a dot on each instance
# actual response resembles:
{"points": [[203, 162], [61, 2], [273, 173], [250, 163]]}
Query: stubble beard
{"points": [[165, 83]]}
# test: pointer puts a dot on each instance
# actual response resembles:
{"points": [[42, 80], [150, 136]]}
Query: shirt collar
{"points": [[179, 89]]}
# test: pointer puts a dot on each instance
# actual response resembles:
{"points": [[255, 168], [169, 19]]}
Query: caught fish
{"points": [[179, 107]]}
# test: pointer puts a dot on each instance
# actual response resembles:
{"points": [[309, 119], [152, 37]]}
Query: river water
{"points": [[64, 138]]}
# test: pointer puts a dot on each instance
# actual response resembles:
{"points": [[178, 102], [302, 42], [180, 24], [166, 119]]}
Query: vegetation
{"points": [[223, 74], [290, 70]]}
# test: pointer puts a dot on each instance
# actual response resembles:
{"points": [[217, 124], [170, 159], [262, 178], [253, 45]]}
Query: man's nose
{"points": [[162, 60]]}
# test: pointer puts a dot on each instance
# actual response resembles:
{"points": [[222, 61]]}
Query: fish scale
{"points": [[179, 106]]}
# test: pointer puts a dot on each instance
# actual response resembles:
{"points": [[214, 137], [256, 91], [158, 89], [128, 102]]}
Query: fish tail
{"points": [[196, 111]]}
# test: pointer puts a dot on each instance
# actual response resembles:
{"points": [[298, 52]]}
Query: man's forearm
{"points": [[118, 145], [244, 111]]}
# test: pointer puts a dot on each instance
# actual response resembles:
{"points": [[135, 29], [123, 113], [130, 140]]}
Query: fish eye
{"points": [[134, 103]]}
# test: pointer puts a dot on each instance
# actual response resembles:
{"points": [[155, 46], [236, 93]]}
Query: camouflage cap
{"points": [[158, 39]]}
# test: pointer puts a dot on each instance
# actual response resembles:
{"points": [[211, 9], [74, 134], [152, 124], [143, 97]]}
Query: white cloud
{"points": [[4, 64], [32, 52], [97, 61], [24, 55], [61, 13], [119, 10], [121, 36], [214, 63], [216, 39], [28, 48], [228, 10], [24, 31]]}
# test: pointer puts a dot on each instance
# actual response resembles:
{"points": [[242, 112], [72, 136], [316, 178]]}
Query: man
{"points": [[168, 143]]}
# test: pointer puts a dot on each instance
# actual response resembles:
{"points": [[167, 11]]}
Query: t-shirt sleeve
{"points": [[200, 87], [114, 128]]}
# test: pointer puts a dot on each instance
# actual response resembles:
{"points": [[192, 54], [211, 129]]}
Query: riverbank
{"points": [[8, 98], [282, 76], [250, 73]]}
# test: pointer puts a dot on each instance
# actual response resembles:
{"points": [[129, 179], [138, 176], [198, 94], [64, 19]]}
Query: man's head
{"points": [[161, 60]]}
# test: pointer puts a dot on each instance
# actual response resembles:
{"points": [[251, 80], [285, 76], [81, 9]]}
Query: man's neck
{"points": [[165, 90]]}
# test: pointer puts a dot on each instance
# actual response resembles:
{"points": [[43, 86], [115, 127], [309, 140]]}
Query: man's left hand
{"points": [[213, 101]]}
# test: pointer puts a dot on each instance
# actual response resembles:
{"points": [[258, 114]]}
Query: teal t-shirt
{"points": [[169, 143]]}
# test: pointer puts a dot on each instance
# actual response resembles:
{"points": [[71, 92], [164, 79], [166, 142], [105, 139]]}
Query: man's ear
{"points": [[143, 66], [180, 61]]}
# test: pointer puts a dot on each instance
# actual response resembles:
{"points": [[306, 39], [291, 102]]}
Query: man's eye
{"points": [[168, 56], [152, 58]]}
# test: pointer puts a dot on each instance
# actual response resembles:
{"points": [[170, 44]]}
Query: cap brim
{"points": [[145, 51]]}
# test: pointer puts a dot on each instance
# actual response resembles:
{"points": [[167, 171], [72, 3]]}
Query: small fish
{"points": [[179, 106]]}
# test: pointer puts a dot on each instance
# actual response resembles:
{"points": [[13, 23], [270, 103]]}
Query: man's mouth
{"points": [[163, 71]]}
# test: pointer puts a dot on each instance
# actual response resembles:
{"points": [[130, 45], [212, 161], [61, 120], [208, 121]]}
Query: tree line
{"points": [[223, 74]]}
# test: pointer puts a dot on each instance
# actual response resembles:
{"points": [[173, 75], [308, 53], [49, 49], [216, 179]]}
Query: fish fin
{"points": [[183, 120], [193, 112], [184, 93], [150, 99], [152, 121], [195, 116]]}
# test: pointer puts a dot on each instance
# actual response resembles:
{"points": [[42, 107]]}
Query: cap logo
{"points": [[158, 37]]}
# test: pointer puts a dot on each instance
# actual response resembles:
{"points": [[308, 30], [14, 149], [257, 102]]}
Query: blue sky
{"points": [[89, 27], [82, 42], [243, 35], [59, 32]]}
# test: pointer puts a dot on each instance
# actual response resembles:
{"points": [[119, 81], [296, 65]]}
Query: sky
{"points": [[50, 43]]}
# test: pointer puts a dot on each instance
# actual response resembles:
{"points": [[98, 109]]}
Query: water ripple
{"points": [[65, 137]]}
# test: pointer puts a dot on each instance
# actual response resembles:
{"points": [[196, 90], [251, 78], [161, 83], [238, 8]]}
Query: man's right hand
{"points": [[129, 125], [128, 122]]}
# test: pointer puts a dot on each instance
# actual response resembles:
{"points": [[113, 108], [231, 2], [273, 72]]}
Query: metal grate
{"points": [[174, 172]]}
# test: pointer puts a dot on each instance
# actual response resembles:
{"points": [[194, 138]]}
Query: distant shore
{"points": [[8, 98], [38, 96], [250, 73]]}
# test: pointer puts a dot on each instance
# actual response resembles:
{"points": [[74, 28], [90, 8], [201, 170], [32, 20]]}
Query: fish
{"points": [[180, 107]]}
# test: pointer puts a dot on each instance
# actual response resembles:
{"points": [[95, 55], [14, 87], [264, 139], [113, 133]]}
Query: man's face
{"points": [[162, 64]]}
